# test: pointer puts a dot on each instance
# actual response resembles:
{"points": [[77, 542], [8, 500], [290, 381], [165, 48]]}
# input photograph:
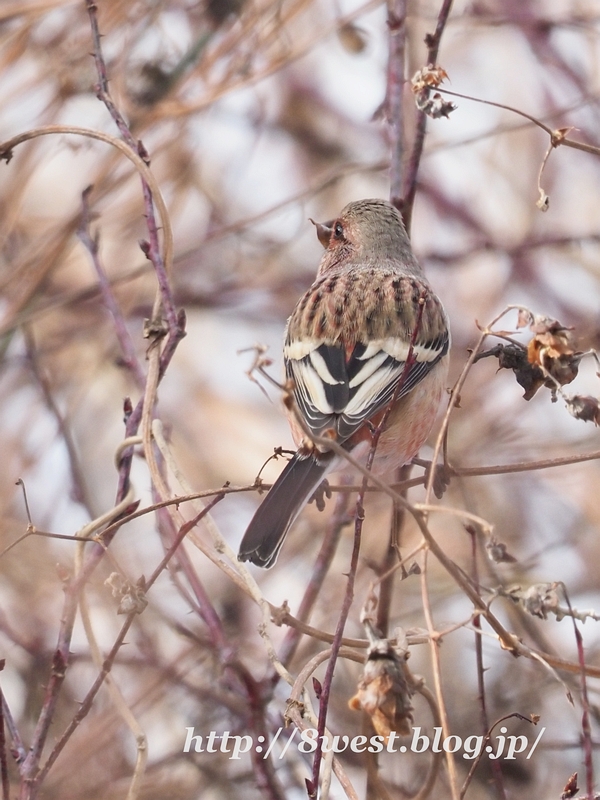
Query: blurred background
{"points": [[257, 116]]}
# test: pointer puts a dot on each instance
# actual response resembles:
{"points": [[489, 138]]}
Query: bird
{"points": [[370, 333]]}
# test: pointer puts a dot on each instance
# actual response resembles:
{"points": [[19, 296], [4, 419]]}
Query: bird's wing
{"points": [[383, 370], [341, 389]]}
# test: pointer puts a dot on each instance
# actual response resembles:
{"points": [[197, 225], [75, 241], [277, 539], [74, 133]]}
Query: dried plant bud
{"points": [[542, 599], [525, 318], [317, 687], [529, 376], [384, 691], [322, 492], [441, 479], [543, 201], [559, 135], [550, 359], [552, 348], [551, 338], [584, 407], [571, 788], [538, 600], [430, 77], [132, 598], [498, 553], [435, 107], [115, 582]]}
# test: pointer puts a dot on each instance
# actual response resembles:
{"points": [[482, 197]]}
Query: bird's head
{"points": [[365, 231]]}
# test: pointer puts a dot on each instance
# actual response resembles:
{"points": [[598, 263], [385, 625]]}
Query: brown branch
{"points": [[152, 248], [409, 186], [92, 245], [394, 106], [87, 702]]}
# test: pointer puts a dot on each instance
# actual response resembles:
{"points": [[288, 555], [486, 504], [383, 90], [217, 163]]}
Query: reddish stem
{"points": [[409, 187]]}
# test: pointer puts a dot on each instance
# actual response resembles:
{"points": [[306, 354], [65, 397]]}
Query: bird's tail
{"points": [[285, 500]]}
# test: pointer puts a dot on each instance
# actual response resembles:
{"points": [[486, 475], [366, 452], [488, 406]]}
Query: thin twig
{"points": [[482, 749], [392, 560], [320, 569], [296, 709], [556, 138], [18, 748], [79, 483], [335, 647]]}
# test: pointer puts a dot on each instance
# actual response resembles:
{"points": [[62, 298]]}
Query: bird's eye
{"points": [[338, 230]]}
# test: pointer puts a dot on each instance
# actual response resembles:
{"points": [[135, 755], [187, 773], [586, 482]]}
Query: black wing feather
{"points": [[339, 394]]}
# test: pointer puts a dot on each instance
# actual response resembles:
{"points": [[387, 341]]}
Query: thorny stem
{"points": [[134, 417], [244, 683], [203, 604], [295, 712], [101, 87], [487, 737], [175, 335], [267, 781], [321, 567], [157, 457], [337, 642], [485, 723], [391, 557], [31, 777]]}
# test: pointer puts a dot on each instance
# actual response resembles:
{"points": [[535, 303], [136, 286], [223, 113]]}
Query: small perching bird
{"points": [[369, 333]]}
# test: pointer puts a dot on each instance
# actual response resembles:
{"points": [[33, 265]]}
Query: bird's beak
{"points": [[323, 231]]}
